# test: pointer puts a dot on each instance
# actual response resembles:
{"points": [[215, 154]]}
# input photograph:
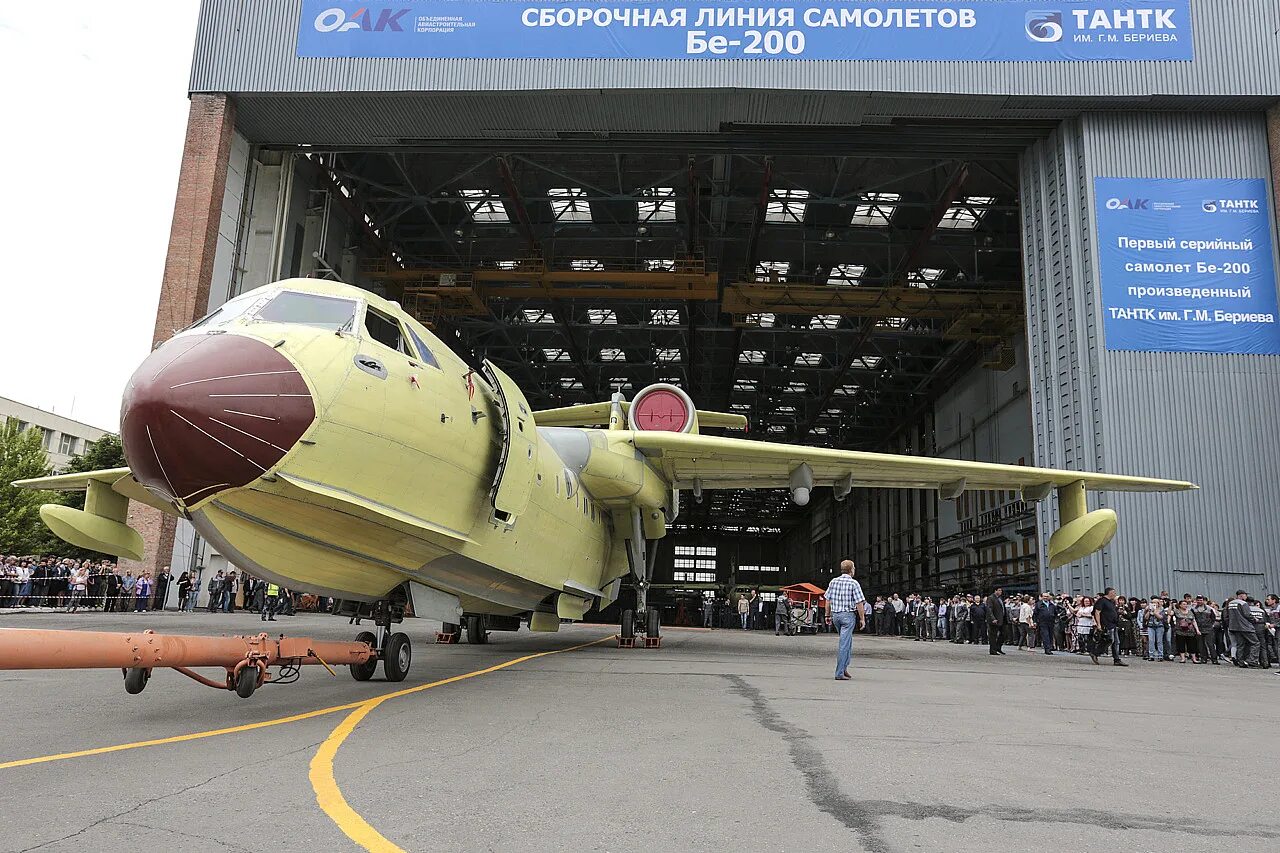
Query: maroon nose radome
{"points": [[211, 412]]}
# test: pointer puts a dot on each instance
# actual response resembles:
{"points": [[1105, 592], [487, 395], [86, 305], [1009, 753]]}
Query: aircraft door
{"points": [[518, 463]]}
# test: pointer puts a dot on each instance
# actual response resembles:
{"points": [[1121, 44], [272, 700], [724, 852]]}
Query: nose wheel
{"points": [[392, 648]]}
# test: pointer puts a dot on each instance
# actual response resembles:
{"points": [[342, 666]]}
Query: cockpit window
{"points": [[309, 309], [424, 351], [225, 313], [386, 331]]}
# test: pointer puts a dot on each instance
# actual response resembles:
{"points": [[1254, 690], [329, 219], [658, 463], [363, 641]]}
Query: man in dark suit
{"points": [[996, 617], [1044, 616]]}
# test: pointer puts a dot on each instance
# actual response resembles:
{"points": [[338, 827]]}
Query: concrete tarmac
{"points": [[723, 739]]}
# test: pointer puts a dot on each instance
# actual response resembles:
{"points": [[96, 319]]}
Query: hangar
{"points": [[947, 227]]}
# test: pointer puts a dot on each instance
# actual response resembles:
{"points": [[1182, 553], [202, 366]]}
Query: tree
{"points": [[21, 458]]}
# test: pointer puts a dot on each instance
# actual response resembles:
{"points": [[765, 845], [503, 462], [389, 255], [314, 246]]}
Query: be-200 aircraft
{"points": [[323, 439]]}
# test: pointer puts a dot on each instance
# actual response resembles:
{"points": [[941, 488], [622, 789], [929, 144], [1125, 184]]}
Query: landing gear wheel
{"points": [[135, 679], [247, 682], [396, 657], [364, 671], [654, 622], [628, 631], [476, 632]]}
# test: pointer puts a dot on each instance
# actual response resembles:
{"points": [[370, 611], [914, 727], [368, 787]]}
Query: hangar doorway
{"points": [[852, 287]]}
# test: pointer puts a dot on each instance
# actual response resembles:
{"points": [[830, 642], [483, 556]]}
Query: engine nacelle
{"points": [[662, 408]]}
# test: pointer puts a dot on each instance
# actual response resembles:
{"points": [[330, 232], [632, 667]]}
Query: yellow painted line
{"points": [[329, 796], [24, 762]]}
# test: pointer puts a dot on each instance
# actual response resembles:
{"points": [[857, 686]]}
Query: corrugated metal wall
{"points": [[1207, 418], [249, 46]]}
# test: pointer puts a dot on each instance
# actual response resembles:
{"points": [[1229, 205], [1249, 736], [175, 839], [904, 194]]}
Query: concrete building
{"points": [[937, 230], [61, 436]]}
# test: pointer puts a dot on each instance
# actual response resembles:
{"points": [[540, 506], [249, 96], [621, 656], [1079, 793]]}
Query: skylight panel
{"points": [[602, 317], [612, 354], [739, 407], [505, 265], [825, 321], [786, 410], [797, 388], [772, 270], [846, 274], [891, 322], [585, 264], [659, 264], [537, 315], [875, 209], [744, 385], [777, 429], [619, 383], [808, 359], [751, 356], [869, 362], [659, 205], [786, 206], [664, 316], [570, 384], [484, 207], [569, 204], [763, 320], [819, 430], [551, 354], [670, 380], [965, 214], [667, 355]]}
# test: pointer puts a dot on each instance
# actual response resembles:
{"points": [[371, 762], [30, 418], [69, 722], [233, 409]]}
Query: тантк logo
{"points": [[1044, 26]]}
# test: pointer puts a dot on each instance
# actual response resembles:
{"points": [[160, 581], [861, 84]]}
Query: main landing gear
{"points": [[392, 648], [645, 620]]}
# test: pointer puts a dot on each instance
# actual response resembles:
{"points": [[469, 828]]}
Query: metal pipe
{"points": [[22, 648]]}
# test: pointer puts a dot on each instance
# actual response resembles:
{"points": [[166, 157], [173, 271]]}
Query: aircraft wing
{"points": [[120, 480], [735, 463]]}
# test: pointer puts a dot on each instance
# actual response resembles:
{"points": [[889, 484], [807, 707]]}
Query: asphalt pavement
{"points": [[718, 740]]}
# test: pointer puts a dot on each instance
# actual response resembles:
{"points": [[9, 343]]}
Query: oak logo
{"points": [[336, 19], [1128, 204]]}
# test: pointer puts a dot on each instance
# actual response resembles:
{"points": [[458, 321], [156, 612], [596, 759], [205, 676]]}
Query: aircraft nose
{"points": [[211, 412]]}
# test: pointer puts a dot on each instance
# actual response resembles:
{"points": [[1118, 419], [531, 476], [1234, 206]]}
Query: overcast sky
{"points": [[95, 109]]}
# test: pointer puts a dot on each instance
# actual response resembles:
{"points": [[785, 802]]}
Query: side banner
{"points": [[1187, 266], [921, 30]]}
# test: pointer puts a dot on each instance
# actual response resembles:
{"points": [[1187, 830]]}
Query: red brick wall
{"points": [[188, 268]]}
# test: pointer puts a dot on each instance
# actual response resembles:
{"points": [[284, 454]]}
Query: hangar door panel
{"points": [[518, 463]]}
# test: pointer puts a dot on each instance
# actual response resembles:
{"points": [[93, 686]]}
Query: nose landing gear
{"points": [[391, 647]]}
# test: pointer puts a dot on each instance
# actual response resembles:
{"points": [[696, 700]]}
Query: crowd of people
{"points": [[1241, 630], [1193, 629], [73, 585]]}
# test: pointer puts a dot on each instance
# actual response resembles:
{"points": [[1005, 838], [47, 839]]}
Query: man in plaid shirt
{"points": [[845, 598]]}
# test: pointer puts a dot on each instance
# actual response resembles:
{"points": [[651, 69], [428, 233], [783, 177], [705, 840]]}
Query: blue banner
{"points": [[923, 30], [1187, 265]]}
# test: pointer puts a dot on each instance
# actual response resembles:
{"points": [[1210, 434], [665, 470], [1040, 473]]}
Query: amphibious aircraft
{"points": [[321, 438]]}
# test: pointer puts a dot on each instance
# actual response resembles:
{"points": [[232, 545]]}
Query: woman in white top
{"points": [[1084, 623]]}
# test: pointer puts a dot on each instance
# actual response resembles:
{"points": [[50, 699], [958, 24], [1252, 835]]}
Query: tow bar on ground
{"points": [[246, 659]]}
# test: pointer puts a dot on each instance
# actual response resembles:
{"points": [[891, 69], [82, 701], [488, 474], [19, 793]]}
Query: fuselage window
{"points": [[424, 351], [309, 309], [386, 331]]}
